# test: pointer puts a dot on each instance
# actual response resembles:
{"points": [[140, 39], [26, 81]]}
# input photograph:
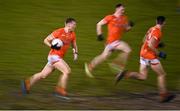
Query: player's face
{"points": [[72, 26], [120, 10], [163, 23]]}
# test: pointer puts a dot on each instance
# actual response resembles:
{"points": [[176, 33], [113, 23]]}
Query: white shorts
{"points": [[112, 45], [53, 58], [149, 62]]}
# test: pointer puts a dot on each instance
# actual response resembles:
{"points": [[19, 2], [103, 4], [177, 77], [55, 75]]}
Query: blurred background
{"points": [[25, 23]]}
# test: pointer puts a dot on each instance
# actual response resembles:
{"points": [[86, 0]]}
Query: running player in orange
{"points": [[55, 58], [149, 57], [117, 24]]}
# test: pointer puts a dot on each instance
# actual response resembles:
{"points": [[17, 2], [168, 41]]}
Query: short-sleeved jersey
{"points": [[146, 52], [116, 27], [67, 39]]}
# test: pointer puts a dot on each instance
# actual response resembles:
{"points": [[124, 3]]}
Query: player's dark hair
{"points": [[160, 20], [68, 20], [119, 5]]}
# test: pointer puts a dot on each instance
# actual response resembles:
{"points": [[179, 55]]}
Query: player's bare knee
{"points": [[38, 75], [142, 77], [68, 71], [42, 76], [104, 56], [66, 74], [128, 50], [162, 75]]}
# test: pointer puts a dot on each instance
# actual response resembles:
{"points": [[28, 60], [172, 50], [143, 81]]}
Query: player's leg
{"points": [[141, 75], [41, 75], [122, 58], [143, 70], [96, 61], [62, 66], [161, 76], [164, 95], [28, 83]]}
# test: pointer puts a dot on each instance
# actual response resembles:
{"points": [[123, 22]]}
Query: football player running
{"points": [[117, 24], [149, 57], [55, 58]]}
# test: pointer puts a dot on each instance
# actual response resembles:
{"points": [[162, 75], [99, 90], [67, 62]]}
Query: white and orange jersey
{"points": [[146, 52], [67, 39], [116, 27]]}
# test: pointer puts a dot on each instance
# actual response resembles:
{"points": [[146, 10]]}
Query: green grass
{"points": [[25, 23]]}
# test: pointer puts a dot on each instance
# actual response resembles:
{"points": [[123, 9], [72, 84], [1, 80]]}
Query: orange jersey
{"points": [[116, 27], [67, 39], [146, 52]]}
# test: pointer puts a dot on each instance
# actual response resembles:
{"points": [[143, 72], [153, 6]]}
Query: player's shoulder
{"points": [[156, 32], [156, 29], [124, 16], [152, 29], [59, 29], [109, 16], [74, 34], [58, 32]]}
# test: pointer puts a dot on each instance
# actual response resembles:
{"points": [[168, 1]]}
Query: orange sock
{"points": [[61, 90], [90, 67], [27, 83], [164, 94], [127, 75]]}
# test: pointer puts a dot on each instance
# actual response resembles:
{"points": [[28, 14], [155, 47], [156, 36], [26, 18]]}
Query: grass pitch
{"points": [[24, 25]]}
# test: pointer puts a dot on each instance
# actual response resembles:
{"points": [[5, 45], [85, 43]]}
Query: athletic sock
{"points": [[60, 91], [27, 84]]}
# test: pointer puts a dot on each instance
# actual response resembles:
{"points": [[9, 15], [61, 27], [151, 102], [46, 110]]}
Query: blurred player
{"points": [[55, 58], [149, 57], [117, 24]]}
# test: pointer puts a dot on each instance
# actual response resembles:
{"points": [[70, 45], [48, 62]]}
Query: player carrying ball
{"points": [[55, 58]]}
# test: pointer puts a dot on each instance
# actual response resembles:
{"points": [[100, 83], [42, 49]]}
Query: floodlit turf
{"points": [[25, 23]]}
